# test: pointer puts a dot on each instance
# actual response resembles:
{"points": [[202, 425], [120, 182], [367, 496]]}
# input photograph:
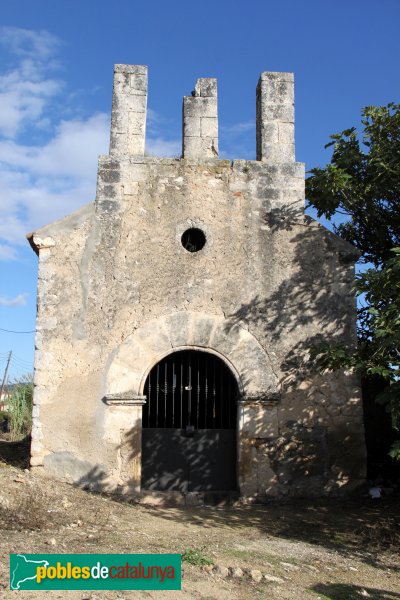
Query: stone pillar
{"points": [[275, 118], [128, 117], [200, 121], [257, 427], [123, 430]]}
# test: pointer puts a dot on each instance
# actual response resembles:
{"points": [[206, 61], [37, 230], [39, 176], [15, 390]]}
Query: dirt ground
{"points": [[326, 549]]}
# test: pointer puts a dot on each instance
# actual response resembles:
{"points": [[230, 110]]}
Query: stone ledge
{"points": [[124, 398]]}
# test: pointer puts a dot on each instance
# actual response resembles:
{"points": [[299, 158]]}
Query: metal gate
{"points": [[189, 424]]}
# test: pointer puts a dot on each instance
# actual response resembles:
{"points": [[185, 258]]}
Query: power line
{"points": [[11, 331]]}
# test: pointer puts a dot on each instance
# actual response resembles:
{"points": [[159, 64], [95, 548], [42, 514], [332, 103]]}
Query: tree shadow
{"points": [[314, 284], [343, 591], [354, 528]]}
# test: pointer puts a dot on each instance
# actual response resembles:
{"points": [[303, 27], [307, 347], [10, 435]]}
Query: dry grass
{"points": [[27, 510]]}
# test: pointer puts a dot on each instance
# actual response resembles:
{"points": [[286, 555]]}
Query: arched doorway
{"points": [[189, 424]]}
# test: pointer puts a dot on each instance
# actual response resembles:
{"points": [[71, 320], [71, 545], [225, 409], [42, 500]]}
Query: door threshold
{"points": [[174, 498]]}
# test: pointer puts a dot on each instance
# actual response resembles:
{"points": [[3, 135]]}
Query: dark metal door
{"points": [[189, 425]]}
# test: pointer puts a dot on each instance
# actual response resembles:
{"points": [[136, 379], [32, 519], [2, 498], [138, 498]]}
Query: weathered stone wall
{"points": [[118, 291]]}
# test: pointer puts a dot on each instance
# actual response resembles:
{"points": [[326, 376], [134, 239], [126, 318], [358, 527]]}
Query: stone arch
{"points": [[236, 346]]}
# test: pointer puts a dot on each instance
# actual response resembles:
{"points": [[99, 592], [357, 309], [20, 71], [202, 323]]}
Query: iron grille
{"points": [[190, 388]]}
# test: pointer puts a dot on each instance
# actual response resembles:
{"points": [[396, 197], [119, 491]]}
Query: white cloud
{"points": [[238, 128], [28, 43], [158, 146], [7, 252], [156, 142], [26, 89], [19, 300], [41, 182], [70, 153]]}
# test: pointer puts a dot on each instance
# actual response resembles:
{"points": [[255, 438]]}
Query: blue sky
{"points": [[55, 98]]}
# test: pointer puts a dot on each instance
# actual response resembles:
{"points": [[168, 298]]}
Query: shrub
{"points": [[20, 409]]}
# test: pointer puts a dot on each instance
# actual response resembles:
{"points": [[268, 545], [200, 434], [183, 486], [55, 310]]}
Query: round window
{"points": [[193, 239]]}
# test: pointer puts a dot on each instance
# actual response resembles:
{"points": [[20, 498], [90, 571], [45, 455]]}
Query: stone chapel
{"points": [[176, 312]]}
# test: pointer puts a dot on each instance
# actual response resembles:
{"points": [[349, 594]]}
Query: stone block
{"points": [[270, 131], [277, 76], [129, 102], [191, 127], [179, 329], [278, 152], [199, 107], [202, 331], [131, 188], [36, 447], [138, 84], [206, 87], [198, 147], [136, 124], [69, 467], [122, 83], [236, 572], [132, 69], [277, 92], [260, 421], [109, 176], [209, 127], [221, 571], [123, 144], [279, 112], [286, 133]]}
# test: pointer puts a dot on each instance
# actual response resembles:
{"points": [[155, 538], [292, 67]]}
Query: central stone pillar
{"points": [[275, 118], [200, 121]]}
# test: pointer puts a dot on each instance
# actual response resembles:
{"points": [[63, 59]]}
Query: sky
{"points": [[56, 70]]}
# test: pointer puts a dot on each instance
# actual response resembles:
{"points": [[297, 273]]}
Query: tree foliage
{"points": [[362, 186]]}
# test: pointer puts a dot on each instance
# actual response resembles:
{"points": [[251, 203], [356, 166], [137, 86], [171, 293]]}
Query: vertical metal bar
{"points": [[198, 391], [158, 391], [222, 394], [205, 394], [181, 393], [173, 393], [190, 392], [165, 391], [230, 400], [149, 400], [213, 393]]}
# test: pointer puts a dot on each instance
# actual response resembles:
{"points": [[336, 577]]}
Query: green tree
{"points": [[361, 188]]}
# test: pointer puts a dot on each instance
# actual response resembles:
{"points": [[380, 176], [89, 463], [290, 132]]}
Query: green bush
{"points": [[20, 409], [196, 557]]}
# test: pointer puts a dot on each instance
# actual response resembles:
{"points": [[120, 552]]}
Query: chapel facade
{"points": [[177, 311]]}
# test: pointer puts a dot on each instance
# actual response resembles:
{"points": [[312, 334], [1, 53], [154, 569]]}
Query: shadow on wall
{"points": [[316, 292], [297, 455], [96, 480], [317, 295]]}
